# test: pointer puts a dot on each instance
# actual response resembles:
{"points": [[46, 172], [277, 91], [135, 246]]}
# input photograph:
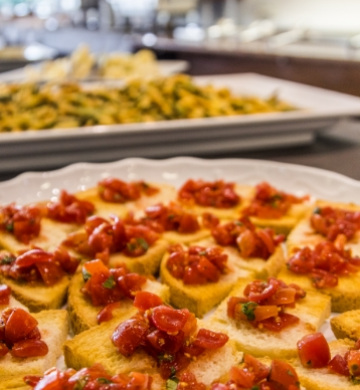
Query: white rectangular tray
{"points": [[319, 110]]}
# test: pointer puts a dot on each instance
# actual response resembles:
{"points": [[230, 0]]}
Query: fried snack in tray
{"points": [[35, 106]]}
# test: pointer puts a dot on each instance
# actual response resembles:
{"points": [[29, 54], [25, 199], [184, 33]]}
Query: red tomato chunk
{"points": [[264, 302], [19, 334], [5, 293]]}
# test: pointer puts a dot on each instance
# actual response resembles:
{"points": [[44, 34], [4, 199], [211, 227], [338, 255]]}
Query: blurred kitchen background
{"points": [[311, 41]]}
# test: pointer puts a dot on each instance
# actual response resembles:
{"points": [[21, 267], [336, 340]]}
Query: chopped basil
{"points": [[81, 383], [142, 243], [104, 380], [248, 309], [86, 274], [109, 282], [172, 383], [256, 387], [7, 259], [317, 210], [9, 226]]}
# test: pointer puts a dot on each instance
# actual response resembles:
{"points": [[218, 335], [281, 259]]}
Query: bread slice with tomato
{"points": [[325, 221], [328, 366], [211, 278], [328, 269], [174, 341], [253, 316], [346, 325], [83, 312], [53, 328], [271, 207], [225, 200], [113, 196]]}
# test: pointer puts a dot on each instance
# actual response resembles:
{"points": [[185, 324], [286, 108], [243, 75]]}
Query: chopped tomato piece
{"points": [[29, 348], [168, 319], [284, 374], [353, 363], [5, 292], [314, 351], [208, 339], [19, 324], [145, 300]]}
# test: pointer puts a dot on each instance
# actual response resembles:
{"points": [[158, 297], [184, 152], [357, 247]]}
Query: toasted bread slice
{"points": [[199, 299], [8, 383], [323, 378], [346, 325], [147, 264], [37, 296], [345, 296], [51, 235], [261, 268], [81, 352], [304, 234], [106, 209], [311, 310], [83, 314], [53, 326]]}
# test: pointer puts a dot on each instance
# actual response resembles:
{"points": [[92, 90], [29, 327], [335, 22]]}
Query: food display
{"points": [[34, 106], [161, 286]]}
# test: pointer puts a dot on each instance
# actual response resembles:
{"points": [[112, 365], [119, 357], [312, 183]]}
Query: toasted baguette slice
{"points": [[345, 296], [51, 235], [303, 233], [286, 223], [311, 310], [147, 264], [83, 314], [37, 296], [323, 378], [346, 325], [94, 345], [244, 191], [261, 268], [199, 299], [106, 209], [13, 383], [53, 326]]}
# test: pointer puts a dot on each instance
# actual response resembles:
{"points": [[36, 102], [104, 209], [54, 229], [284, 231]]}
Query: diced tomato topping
{"points": [[196, 265], [324, 264], [38, 265], [166, 334], [218, 194], [102, 238], [264, 302], [117, 191], [22, 221], [269, 202], [94, 378], [339, 365], [20, 335], [167, 218], [187, 381], [107, 287], [314, 351], [331, 222], [353, 363], [5, 293], [249, 240], [252, 374], [70, 209]]}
